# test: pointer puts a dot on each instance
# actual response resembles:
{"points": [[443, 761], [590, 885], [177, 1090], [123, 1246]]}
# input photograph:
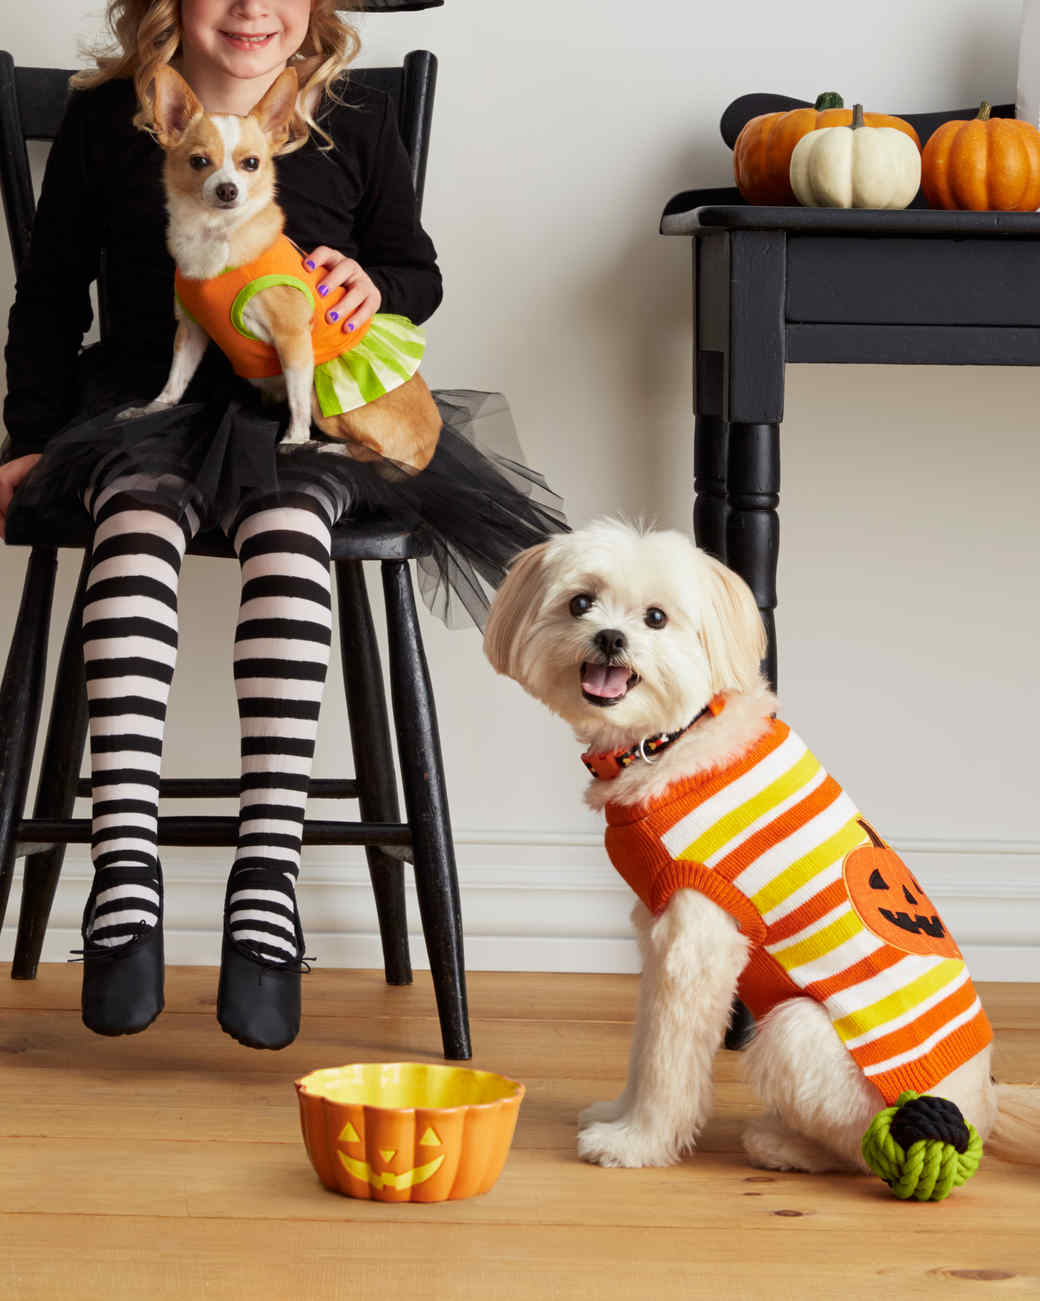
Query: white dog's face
{"points": [[622, 633]]}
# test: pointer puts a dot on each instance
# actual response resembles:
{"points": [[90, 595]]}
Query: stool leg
{"points": [[56, 791], [373, 760], [753, 525], [422, 772], [21, 695], [710, 444]]}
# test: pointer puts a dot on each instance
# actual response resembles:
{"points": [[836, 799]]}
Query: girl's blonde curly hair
{"points": [[146, 33]]}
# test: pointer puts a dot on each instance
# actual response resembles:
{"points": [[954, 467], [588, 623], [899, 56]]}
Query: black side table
{"points": [[775, 285]]}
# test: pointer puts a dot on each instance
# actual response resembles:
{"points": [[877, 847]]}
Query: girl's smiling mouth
{"points": [[246, 41]]}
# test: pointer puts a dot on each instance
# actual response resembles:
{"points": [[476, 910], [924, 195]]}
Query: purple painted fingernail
{"points": [[333, 316], [350, 326], [323, 290], [309, 265]]}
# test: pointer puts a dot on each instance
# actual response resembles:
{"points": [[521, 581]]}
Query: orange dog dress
{"points": [[349, 369]]}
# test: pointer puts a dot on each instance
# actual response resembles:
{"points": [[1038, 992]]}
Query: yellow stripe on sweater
{"points": [[806, 867], [748, 813], [902, 1000], [820, 942]]}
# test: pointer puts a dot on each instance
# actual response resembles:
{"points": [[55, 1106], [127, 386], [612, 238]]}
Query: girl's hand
{"points": [[362, 298], [11, 476]]}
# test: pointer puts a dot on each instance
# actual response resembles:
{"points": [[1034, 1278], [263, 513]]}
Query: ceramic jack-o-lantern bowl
{"points": [[408, 1131]]}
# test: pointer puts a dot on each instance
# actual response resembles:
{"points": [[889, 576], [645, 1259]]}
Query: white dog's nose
{"points": [[610, 641]]}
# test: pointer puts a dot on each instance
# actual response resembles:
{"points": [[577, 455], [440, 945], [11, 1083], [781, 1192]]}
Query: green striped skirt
{"points": [[386, 358]]}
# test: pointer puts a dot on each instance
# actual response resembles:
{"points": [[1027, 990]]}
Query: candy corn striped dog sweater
{"points": [[831, 912]]}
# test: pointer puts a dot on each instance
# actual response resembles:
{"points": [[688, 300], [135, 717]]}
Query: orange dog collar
{"points": [[605, 765]]}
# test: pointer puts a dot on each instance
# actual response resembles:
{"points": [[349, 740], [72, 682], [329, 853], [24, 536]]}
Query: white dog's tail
{"points": [[1016, 1135]]}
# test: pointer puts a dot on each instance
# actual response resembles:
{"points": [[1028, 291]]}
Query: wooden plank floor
{"points": [[170, 1165]]}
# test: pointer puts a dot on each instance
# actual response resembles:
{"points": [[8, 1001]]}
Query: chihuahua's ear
{"points": [[516, 603], [174, 106], [732, 631], [274, 113]]}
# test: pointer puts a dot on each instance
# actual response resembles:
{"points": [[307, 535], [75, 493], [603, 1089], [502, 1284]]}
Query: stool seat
{"points": [[369, 538], [372, 537]]}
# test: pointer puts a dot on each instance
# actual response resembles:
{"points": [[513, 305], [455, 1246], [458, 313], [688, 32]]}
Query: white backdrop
{"points": [[908, 578]]}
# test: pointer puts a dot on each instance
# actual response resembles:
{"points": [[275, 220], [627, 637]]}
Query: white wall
{"points": [[908, 577]]}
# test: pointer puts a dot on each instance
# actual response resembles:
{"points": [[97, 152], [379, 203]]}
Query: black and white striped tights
{"points": [[281, 655]]}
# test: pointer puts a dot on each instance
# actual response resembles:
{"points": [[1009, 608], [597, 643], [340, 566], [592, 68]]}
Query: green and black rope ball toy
{"points": [[922, 1147]]}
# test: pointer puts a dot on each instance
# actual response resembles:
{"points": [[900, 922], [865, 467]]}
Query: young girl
{"points": [[150, 484]]}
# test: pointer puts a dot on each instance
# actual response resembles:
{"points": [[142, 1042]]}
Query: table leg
{"points": [[752, 523], [752, 547], [710, 439]]}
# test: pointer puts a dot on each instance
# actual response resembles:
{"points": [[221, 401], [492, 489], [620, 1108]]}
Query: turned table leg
{"points": [[710, 442], [752, 523]]}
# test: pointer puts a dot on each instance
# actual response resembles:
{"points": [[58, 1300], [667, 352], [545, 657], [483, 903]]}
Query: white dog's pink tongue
{"points": [[604, 680]]}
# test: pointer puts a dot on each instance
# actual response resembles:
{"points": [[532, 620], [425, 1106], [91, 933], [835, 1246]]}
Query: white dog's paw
{"points": [[621, 1142], [132, 413], [608, 1110], [291, 444], [771, 1145], [298, 435]]}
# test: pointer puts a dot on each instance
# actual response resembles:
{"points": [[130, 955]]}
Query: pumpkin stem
{"points": [[878, 844], [984, 112], [829, 99], [858, 119]]}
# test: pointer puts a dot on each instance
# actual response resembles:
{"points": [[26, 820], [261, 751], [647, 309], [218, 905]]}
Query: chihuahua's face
{"points": [[220, 164], [223, 163], [623, 633]]}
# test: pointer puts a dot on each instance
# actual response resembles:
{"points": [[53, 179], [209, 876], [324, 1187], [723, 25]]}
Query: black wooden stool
{"points": [[31, 106]]}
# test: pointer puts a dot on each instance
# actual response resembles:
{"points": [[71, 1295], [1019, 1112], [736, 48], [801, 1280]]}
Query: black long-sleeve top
{"points": [[102, 203]]}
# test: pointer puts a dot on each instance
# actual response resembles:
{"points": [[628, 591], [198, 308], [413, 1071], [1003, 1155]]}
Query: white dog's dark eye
{"points": [[198, 162], [250, 164], [655, 618], [581, 604]]}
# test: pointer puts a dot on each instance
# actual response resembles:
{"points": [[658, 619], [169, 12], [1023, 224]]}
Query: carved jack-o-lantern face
{"points": [[890, 902], [387, 1176]]}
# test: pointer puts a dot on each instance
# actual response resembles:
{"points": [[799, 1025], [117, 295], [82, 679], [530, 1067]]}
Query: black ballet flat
{"points": [[258, 1001], [123, 985]]}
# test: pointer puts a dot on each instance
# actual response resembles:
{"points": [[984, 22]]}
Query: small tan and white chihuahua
{"points": [[754, 869], [219, 179]]}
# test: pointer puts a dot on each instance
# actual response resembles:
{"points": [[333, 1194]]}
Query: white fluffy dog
{"points": [[755, 871]]}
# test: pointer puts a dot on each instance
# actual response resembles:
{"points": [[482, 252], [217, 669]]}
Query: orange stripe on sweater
{"points": [[923, 1074], [876, 962], [812, 910], [915, 1032]]}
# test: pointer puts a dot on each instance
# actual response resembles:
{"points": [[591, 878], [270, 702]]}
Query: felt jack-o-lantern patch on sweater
{"points": [[890, 902]]}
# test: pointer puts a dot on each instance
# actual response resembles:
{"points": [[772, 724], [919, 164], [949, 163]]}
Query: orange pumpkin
{"points": [[762, 152], [982, 165], [890, 903], [407, 1131]]}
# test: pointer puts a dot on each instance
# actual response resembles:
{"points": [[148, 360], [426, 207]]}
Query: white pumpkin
{"points": [[856, 166]]}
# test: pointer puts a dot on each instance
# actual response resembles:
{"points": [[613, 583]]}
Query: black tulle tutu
{"points": [[476, 502]]}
